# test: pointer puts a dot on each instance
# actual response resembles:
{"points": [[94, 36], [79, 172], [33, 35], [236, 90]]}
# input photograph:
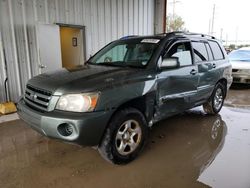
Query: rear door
{"points": [[209, 57], [177, 87], [203, 58], [49, 47]]}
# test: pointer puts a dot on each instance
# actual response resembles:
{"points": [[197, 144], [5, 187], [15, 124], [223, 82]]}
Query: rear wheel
{"points": [[125, 136], [216, 101]]}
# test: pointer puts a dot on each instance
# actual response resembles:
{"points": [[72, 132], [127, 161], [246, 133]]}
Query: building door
{"points": [[60, 46], [72, 46], [49, 47]]}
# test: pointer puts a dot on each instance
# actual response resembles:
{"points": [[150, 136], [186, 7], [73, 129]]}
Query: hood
{"points": [[240, 64], [83, 79]]}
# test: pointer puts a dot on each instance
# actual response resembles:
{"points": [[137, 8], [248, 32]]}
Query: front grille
{"points": [[236, 79], [37, 98], [235, 70]]}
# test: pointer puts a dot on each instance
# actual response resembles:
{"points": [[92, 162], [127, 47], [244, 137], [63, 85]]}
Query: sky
{"points": [[231, 17]]}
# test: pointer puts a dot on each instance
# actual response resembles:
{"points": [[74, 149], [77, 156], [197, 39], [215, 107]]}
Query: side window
{"points": [[209, 51], [200, 51], [216, 50], [182, 51]]}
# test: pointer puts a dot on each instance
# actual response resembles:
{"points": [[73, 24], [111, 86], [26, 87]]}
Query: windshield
{"points": [[133, 53], [240, 55]]}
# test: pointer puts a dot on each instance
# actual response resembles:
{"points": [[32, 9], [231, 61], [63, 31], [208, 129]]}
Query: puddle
{"points": [[188, 150]]}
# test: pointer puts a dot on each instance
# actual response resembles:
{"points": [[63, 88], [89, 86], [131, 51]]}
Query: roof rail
{"points": [[128, 36], [190, 34]]}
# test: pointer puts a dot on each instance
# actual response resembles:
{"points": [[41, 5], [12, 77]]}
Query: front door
{"points": [[49, 46], [177, 87]]}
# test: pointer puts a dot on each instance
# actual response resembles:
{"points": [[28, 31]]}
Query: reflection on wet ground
{"points": [[188, 150]]}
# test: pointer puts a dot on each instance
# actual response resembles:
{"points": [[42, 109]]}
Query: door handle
{"points": [[193, 72], [214, 65], [42, 66]]}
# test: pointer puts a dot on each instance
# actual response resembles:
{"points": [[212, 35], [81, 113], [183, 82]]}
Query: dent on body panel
{"points": [[116, 96], [149, 86]]}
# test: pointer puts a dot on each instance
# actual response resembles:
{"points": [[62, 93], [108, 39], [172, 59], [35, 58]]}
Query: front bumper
{"points": [[241, 78], [229, 82], [88, 128]]}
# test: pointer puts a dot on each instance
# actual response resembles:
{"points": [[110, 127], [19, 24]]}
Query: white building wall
{"points": [[104, 20]]}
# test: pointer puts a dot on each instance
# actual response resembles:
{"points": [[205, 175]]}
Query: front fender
{"points": [[117, 95]]}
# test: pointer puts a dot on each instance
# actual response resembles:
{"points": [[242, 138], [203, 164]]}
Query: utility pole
{"points": [[212, 25], [174, 2], [221, 33], [209, 27], [236, 36], [226, 39]]}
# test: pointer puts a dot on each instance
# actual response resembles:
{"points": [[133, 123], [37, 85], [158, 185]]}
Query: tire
{"points": [[216, 101], [125, 136]]}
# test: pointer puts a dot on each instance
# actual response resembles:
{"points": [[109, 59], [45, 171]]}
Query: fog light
{"points": [[69, 129], [65, 129]]}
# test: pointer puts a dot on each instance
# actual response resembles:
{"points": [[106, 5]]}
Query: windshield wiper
{"points": [[134, 66], [116, 64], [110, 64], [104, 63], [90, 63]]}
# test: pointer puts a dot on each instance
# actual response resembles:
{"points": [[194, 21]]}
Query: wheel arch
{"points": [[223, 81], [145, 104]]}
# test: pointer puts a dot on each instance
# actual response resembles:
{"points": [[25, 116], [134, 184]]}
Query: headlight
{"points": [[85, 102]]}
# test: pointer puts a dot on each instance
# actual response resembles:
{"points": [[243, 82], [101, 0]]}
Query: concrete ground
{"points": [[188, 150]]}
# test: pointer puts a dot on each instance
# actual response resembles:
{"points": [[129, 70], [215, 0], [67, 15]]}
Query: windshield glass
{"points": [[240, 55], [133, 53]]}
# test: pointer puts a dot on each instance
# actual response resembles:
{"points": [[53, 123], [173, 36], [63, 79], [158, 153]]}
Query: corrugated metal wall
{"points": [[2, 71], [105, 20]]}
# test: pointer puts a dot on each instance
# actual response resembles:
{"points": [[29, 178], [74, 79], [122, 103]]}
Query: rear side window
{"points": [[200, 51], [210, 55], [216, 50]]}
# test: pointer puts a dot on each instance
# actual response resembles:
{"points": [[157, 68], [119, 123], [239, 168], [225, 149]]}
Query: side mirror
{"points": [[169, 63]]}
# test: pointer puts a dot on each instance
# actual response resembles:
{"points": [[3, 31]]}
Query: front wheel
{"points": [[216, 101], [125, 136]]}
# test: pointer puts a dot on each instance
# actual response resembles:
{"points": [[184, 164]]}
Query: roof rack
{"points": [[189, 34], [128, 36]]}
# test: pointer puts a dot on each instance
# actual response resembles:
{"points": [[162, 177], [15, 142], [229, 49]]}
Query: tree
{"points": [[232, 47], [175, 23]]}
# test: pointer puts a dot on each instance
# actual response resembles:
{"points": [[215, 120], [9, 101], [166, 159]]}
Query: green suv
{"points": [[125, 88]]}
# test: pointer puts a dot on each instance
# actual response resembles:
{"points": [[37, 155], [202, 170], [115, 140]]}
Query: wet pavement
{"points": [[188, 150], [239, 96]]}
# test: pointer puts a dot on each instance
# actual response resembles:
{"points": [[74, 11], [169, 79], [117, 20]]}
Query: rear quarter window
{"points": [[209, 51], [216, 49]]}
